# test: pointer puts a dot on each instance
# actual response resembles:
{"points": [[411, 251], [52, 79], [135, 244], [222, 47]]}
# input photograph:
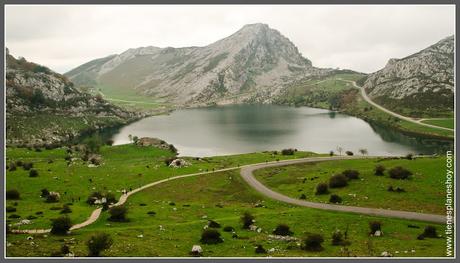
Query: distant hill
{"points": [[421, 84], [251, 65], [43, 106]]}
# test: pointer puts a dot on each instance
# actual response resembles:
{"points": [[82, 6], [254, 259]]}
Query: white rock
{"points": [[385, 254], [140, 236], [197, 249], [378, 233]]}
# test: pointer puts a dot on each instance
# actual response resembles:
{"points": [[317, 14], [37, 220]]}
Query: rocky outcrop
{"points": [[252, 65], [420, 84], [36, 98]]}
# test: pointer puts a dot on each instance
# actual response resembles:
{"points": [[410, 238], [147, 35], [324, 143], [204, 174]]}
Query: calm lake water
{"points": [[250, 128]]}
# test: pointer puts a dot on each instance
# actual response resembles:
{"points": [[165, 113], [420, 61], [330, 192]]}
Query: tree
{"points": [[93, 143], [363, 151], [247, 220], [339, 150], [118, 213], [312, 242], [130, 137], [135, 139], [99, 242], [60, 225]]}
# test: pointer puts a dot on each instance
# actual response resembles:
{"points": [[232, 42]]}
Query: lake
{"points": [[237, 129]]}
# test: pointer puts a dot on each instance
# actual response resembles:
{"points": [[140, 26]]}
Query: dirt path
{"points": [[246, 173], [409, 119]]}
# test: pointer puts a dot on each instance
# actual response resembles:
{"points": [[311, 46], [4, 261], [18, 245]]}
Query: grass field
{"points": [[223, 197], [447, 123], [123, 167], [425, 191]]}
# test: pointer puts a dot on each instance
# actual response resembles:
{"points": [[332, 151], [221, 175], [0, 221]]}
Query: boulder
{"points": [[196, 250]]}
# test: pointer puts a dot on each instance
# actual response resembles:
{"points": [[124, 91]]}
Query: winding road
{"points": [[246, 173], [409, 119]]}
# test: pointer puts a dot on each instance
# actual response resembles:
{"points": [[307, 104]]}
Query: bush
{"points": [[287, 151], [14, 216], [379, 169], [351, 174], [118, 213], [260, 250], [10, 209], [337, 181], [349, 153], [97, 243], [93, 197], [282, 230], [11, 167], [110, 197], [52, 197], [430, 231], [27, 166], [66, 209], [303, 197], [210, 236], [312, 242], [12, 194], [321, 189], [44, 193], [19, 163], [337, 238], [335, 199], [33, 173], [331, 153], [399, 173], [409, 156], [247, 220], [375, 226], [60, 225], [213, 224], [228, 229]]}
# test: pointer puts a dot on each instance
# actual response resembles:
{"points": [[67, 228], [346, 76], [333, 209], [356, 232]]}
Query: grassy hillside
{"points": [[167, 220], [425, 187]]}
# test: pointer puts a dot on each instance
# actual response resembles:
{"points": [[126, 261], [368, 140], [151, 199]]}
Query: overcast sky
{"points": [[361, 38]]}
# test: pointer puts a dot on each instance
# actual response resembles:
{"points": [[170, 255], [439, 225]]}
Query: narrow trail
{"points": [[246, 173], [409, 119]]}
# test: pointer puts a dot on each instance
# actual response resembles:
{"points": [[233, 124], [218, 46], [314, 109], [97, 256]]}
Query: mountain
{"points": [[252, 65], [44, 107], [419, 85]]}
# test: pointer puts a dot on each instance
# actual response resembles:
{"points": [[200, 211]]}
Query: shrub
{"points": [[351, 174], [213, 224], [210, 236], [430, 231], [303, 197], [110, 197], [312, 242], [349, 153], [409, 156], [228, 229], [399, 173], [66, 209], [19, 163], [247, 220], [53, 197], [337, 181], [60, 225], [260, 250], [93, 197], [335, 199], [27, 166], [33, 173], [379, 169], [337, 238], [321, 189], [14, 216], [12, 194], [10, 209], [282, 230], [287, 151], [97, 243], [375, 226], [118, 213], [152, 213], [44, 193], [331, 153], [12, 167]]}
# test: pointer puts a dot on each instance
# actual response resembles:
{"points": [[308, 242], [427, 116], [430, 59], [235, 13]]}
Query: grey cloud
{"points": [[361, 38]]}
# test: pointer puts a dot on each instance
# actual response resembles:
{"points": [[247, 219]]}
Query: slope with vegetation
{"points": [[44, 107]]}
